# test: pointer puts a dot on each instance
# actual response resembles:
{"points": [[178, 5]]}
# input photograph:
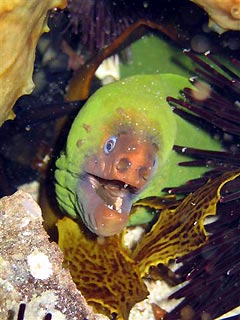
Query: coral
{"points": [[21, 22], [31, 270], [225, 13]]}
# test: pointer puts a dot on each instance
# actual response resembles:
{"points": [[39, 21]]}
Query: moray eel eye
{"points": [[110, 144]]}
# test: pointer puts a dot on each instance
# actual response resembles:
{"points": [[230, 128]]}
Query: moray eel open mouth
{"points": [[112, 192], [107, 204]]}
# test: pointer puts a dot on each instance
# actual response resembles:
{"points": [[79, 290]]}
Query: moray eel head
{"points": [[112, 178]]}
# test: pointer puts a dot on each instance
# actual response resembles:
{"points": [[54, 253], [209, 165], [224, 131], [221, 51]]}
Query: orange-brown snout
{"points": [[129, 158], [134, 168]]}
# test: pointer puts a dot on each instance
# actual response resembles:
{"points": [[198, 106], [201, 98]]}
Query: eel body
{"points": [[119, 150]]}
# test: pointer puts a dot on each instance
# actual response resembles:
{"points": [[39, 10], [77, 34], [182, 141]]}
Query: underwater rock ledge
{"points": [[31, 270]]}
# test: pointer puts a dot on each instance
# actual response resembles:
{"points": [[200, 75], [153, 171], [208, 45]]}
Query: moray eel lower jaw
{"points": [[105, 209]]}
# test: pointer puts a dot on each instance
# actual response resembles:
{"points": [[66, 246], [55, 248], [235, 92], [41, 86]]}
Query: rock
{"points": [[31, 270]]}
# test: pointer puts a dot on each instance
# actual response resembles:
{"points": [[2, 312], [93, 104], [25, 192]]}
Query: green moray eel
{"points": [[119, 150]]}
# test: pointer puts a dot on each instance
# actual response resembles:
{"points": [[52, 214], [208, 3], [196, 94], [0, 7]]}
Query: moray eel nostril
{"points": [[123, 165]]}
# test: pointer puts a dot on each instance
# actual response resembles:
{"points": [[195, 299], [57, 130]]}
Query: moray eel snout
{"points": [[112, 179]]}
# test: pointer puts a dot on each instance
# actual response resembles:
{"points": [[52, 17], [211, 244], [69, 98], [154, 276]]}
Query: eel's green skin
{"points": [[138, 102]]}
